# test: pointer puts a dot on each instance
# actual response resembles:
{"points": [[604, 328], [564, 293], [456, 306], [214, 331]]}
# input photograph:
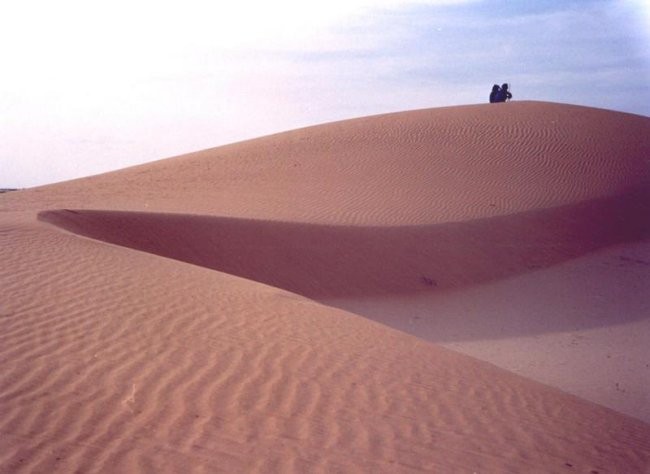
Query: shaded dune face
{"points": [[324, 261], [422, 201]]}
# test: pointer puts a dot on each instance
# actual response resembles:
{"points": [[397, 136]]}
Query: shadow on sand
{"points": [[327, 261]]}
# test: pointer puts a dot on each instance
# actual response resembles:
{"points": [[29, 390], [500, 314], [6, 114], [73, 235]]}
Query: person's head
{"points": [[504, 87], [495, 88]]}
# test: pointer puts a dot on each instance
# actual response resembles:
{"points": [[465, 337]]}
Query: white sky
{"points": [[90, 86]]}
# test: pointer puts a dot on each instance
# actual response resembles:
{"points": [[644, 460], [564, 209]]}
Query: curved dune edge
{"points": [[321, 261], [581, 325], [122, 361], [422, 280], [118, 360]]}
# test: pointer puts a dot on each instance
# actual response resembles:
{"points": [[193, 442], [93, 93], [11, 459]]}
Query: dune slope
{"points": [[408, 168], [121, 361], [133, 337], [323, 261]]}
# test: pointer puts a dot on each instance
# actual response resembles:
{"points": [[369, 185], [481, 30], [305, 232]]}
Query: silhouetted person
{"points": [[503, 94], [493, 94]]}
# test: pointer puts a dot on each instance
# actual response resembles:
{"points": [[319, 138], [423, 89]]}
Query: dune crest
{"points": [[134, 339], [409, 168]]}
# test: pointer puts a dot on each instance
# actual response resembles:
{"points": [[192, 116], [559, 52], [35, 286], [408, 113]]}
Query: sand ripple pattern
{"points": [[120, 361], [409, 168]]}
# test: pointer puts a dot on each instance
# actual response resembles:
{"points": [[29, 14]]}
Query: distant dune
{"points": [[220, 311]]}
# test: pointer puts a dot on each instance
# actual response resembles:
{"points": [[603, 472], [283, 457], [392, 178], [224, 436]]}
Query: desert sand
{"points": [[460, 289]]}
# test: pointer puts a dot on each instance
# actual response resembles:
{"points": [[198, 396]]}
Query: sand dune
{"points": [[332, 261], [410, 168], [169, 317]]}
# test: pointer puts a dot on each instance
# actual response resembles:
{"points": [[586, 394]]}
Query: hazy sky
{"points": [[89, 86]]}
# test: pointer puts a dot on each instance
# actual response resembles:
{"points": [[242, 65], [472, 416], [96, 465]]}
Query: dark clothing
{"points": [[502, 96], [493, 95]]}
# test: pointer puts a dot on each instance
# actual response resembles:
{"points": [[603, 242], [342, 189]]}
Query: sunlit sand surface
{"points": [[459, 289]]}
